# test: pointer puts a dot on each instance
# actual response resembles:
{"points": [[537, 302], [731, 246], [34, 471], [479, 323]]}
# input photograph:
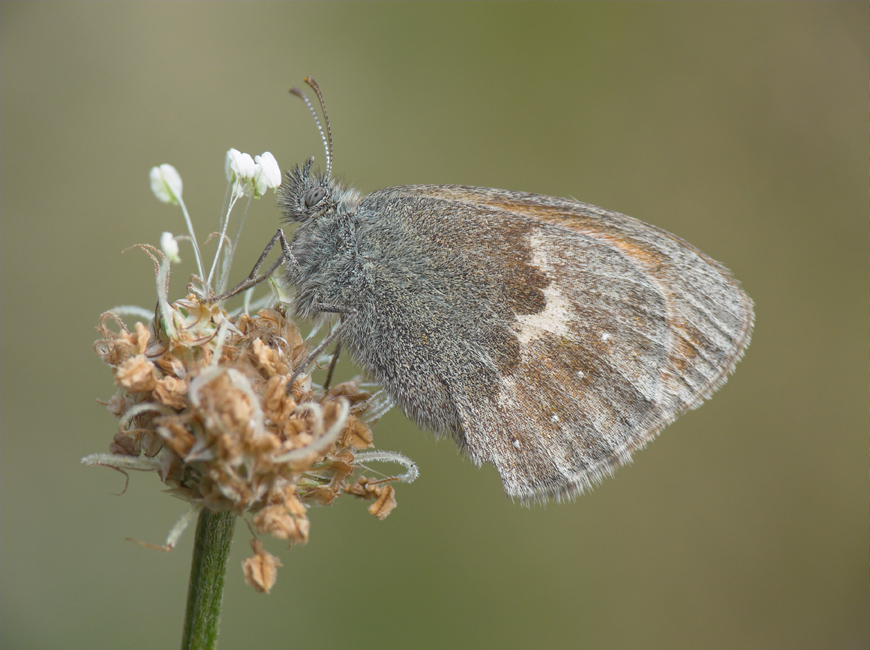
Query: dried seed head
{"points": [[206, 399], [203, 399]]}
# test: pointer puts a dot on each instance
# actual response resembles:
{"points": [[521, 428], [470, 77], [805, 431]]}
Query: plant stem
{"points": [[214, 534]]}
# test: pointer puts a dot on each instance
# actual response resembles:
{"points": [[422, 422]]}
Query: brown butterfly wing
{"points": [[614, 328]]}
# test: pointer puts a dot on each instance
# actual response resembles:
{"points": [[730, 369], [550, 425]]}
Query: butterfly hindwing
{"points": [[559, 337]]}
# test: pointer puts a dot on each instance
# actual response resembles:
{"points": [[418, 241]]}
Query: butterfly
{"points": [[546, 336]]}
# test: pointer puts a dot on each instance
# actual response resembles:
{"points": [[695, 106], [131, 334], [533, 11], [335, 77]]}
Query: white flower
{"points": [[254, 176], [166, 183], [269, 170], [267, 175], [169, 246], [240, 166], [228, 163]]}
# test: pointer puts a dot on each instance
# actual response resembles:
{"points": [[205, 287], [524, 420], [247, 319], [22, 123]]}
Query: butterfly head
{"points": [[305, 194]]}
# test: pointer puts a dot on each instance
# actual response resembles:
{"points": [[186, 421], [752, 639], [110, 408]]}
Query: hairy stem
{"points": [[214, 535]]}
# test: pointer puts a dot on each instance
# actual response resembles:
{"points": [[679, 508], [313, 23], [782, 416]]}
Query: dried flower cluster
{"points": [[203, 397]]}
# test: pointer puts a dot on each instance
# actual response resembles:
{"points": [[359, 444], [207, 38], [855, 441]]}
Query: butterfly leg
{"points": [[253, 279], [347, 313], [332, 364]]}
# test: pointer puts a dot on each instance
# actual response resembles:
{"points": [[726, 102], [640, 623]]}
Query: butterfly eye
{"points": [[314, 196]]}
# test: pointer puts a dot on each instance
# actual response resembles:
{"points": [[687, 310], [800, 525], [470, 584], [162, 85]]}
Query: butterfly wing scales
{"points": [[604, 329]]}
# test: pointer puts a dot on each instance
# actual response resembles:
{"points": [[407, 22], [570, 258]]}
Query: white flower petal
{"points": [[169, 246], [270, 170], [230, 164], [258, 184], [166, 183], [246, 168]]}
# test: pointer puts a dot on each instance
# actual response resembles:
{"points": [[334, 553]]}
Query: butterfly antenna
{"points": [[327, 143]]}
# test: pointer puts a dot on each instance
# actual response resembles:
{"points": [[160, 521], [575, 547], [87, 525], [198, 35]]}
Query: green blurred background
{"points": [[741, 127]]}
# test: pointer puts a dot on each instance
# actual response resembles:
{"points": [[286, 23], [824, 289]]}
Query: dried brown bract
{"points": [[203, 400], [261, 570]]}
